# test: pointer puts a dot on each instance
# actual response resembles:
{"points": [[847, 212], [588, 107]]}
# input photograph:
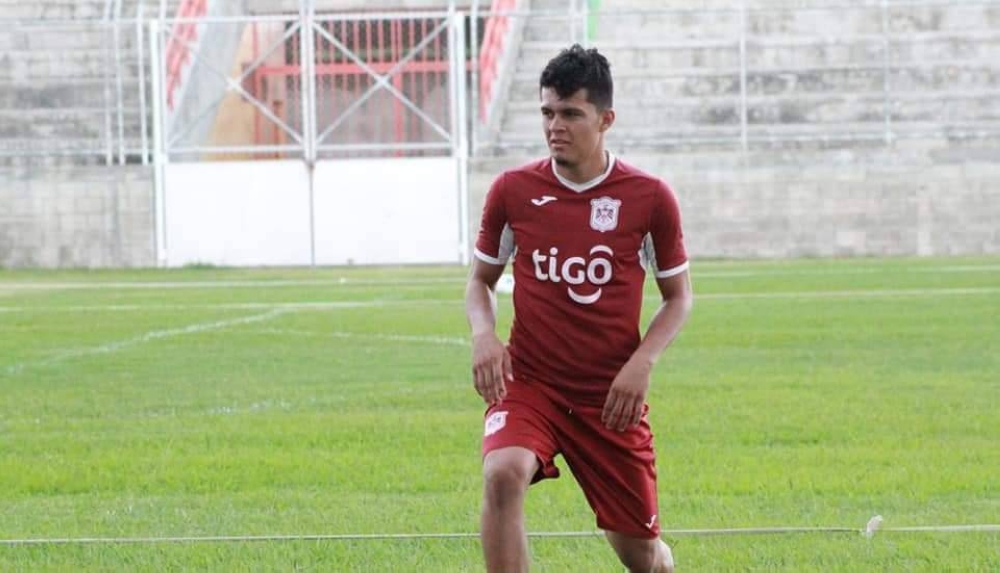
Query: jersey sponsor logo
{"points": [[543, 200], [581, 274], [604, 214], [652, 522], [495, 422]]}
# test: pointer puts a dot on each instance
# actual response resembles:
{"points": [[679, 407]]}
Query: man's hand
{"points": [[491, 367], [624, 404]]}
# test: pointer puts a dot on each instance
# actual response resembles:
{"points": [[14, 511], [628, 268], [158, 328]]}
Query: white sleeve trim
{"points": [[488, 259], [674, 271]]}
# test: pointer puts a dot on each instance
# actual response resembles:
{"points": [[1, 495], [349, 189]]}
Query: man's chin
{"points": [[561, 160]]}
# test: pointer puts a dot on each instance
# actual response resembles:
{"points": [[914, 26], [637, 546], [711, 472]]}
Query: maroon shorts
{"points": [[615, 470]]}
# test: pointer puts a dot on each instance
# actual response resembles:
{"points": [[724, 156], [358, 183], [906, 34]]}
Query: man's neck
{"points": [[586, 171]]}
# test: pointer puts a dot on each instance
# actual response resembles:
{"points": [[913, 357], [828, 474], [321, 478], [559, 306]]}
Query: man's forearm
{"points": [[480, 307], [665, 326]]}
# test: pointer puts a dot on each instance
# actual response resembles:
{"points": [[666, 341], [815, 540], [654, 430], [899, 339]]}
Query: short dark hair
{"points": [[576, 68]]}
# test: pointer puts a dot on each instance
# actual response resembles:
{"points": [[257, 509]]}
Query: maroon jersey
{"points": [[579, 254]]}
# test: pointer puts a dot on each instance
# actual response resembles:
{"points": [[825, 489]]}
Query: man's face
{"points": [[573, 126]]}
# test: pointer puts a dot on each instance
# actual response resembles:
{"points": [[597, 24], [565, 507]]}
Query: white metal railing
{"points": [[120, 104]]}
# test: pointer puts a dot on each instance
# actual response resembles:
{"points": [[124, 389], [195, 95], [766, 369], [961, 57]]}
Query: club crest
{"points": [[604, 214]]}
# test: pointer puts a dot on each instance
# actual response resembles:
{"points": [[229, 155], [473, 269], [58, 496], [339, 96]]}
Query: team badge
{"points": [[604, 214], [495, 423]]}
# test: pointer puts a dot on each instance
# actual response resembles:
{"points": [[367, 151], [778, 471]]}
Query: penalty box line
{"points": [[420, 302], [873, 526]]}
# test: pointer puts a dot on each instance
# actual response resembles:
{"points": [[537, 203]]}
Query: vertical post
{"points": [[744, 138], [451, 44], [108, 136], [585, 23], [474, 61], [398, 111], [159, 153], [119, 88], [140, 40], [307, 84], [886, 88], [460, 131]]}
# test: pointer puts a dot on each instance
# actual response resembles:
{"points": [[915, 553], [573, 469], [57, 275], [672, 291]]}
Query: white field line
{"points": [[171, 285], [113, 347], [851, 293], [971, 528], [421, 281], [442, 340], [947, 269], [336, 305], [289, 306]]}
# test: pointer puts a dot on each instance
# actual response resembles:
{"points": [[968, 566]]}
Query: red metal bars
{"points": [[494, 35], [178, 54], [381, 44]]}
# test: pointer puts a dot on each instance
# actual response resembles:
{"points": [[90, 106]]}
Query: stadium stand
{"points": [[841, 97]]}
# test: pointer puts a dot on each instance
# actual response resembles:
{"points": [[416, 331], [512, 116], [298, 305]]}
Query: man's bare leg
{"points": [[642, 555], [507, 473]]}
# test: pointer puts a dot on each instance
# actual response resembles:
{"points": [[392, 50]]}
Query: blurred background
{"points": [[139, 133]]}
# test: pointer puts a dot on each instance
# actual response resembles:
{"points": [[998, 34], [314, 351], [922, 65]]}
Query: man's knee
{"points": [[643, 556], [641, 559], [506, 476]]}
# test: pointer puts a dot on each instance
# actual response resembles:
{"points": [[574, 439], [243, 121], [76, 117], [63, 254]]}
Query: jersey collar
{"points": [[581, 187]]}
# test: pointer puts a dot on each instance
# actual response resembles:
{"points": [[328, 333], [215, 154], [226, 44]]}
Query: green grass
{"points": [[255, 402]]}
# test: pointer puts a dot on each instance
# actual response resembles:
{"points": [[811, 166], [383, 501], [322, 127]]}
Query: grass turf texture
{"points": [[338, 401]]}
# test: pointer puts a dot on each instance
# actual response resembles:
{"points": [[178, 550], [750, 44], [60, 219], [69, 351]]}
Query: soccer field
{"points": [[218, 402]]}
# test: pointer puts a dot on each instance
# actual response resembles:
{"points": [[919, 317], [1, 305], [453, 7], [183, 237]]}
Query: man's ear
{"points": [[607, 119]]}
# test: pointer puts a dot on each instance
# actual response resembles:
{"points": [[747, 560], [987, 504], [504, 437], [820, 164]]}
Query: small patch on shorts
{"points": [[495, 423]]}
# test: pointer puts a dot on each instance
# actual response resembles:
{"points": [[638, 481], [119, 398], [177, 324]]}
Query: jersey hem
{"points": [[488, 259], [674, 271]]}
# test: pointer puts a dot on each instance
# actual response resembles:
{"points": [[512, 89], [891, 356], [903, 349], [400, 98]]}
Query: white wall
{"points": [[240, 213], [258, 213], [387, 211]]}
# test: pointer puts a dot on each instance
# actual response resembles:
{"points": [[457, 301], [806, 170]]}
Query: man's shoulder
{"points": [[626, 170], [531, 169], [524, 178]]}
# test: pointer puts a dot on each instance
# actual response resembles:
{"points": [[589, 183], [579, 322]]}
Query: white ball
{"points": [[506, 284]]}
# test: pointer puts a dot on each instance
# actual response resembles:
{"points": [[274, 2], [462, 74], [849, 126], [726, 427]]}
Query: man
{"points": [[573, 381]]}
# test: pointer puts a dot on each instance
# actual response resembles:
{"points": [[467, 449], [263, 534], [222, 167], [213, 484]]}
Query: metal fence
{"points": [[130, 81], [315, 86]]}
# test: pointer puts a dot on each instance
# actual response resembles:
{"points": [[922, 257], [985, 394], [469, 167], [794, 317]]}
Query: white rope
{"points": [[873, 525]]}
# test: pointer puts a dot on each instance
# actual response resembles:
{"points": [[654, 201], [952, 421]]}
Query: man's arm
{"points": [[490, 359], [624, 404]]}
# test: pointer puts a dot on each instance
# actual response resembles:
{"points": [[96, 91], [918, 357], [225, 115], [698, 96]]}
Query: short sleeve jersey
{"points": [[579, 256]]}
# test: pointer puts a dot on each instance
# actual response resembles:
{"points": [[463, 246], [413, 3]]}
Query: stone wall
{"points": [[76, 217]]}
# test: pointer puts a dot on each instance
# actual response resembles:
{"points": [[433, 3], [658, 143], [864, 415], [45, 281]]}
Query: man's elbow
{"points": [[683, 299]]}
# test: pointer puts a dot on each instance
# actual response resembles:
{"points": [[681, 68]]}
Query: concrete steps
{"points": [[29, 66], [45, 37], [790, 140], [809, 72], [656, 57], [81, 123], [66, 92], [52, 10], [700, 83], [636, 115]]}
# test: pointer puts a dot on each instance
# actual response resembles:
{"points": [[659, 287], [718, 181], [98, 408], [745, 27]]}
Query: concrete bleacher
{"points": [[53, 9], [59, 81], [812, 74]]}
